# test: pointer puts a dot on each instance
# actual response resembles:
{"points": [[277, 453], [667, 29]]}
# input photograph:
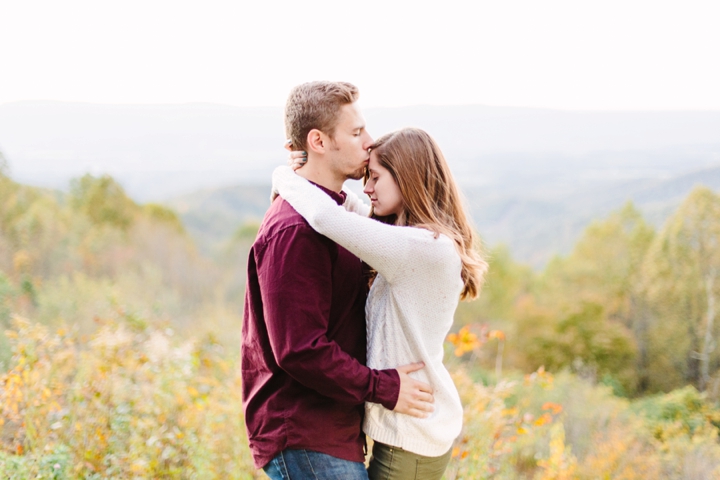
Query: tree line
{"points": [[630, 306]]}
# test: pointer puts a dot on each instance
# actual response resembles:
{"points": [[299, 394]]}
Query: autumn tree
{"points": [[590, 304], [505, 283], [604, 266], [164, 215], [681, 280], [103, 200]]}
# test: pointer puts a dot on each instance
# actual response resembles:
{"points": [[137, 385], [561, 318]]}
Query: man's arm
{"points": [[294, 271]]}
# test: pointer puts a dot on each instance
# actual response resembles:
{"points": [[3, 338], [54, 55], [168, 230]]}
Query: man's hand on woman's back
{"points": [[415, 398]]}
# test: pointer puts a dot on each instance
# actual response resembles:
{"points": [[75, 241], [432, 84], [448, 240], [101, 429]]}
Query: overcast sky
{"points": [[574, 54]]}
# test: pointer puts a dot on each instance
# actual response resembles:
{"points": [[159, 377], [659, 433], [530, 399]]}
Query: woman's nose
{"points": [[368, 189]]}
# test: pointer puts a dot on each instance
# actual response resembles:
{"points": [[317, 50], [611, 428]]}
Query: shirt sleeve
{"points": [[386, 248], [293, 273]]}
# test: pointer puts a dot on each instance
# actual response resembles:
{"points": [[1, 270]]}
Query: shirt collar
{"points": [[338, 197]]}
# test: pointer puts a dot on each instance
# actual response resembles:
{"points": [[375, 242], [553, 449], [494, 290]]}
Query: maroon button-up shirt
{"points": [[303, 343]]}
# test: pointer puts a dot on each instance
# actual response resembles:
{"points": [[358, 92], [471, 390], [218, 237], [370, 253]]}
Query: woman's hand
{"points": [[296, 159]]}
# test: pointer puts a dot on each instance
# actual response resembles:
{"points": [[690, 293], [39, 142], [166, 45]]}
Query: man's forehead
{"points": [[352, 116]]}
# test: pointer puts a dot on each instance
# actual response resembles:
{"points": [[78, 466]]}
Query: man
{"points": [[304, 349]]}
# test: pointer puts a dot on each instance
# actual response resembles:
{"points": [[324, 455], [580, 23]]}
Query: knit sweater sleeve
{"points": [[355, 204], [386, 248]]}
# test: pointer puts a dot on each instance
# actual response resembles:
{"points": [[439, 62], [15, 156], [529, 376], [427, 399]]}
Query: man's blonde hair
{"points": [[316, 105]]}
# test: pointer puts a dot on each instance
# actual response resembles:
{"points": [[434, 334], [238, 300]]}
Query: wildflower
{"points": [[464, 341], [497, 334], [554, 407]]}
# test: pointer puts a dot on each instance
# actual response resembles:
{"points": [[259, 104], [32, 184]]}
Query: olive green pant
{"points": [[394, 463]]}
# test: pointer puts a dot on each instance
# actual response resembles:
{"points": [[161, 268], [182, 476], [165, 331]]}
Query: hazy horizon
{"points": [[158, 151]]}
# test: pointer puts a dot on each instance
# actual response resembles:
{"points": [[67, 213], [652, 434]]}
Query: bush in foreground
{"points": [[129, 401], [133, 400]]}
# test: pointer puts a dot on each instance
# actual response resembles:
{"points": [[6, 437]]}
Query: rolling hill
{"points": [[533, 178]]}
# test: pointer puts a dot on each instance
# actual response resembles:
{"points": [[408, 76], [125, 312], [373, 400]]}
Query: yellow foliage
{"points": [[21, 261], [560, 464], [619, 454], [119, 412], [129, 402]]}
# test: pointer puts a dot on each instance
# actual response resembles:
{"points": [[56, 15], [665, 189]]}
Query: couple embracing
{"points": [[347, 305]]}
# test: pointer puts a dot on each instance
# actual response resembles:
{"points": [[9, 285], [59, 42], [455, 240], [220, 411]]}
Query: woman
{"points": [[420, 246]]}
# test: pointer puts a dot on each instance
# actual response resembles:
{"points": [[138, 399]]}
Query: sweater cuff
{"points": [[387, 388]]}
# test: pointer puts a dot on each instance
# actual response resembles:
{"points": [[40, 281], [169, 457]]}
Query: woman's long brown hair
{"points": [[431, 198]]}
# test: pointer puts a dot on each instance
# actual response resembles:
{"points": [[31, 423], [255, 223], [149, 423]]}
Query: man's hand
{"points": [[415, 398]]}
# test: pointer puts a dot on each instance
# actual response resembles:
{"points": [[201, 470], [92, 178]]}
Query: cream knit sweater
{"points": [[409, 309]]}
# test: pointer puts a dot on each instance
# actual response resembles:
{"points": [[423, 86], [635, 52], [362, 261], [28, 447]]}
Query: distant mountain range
{"points": [[533, 178], [163, 150], [534, 226]]}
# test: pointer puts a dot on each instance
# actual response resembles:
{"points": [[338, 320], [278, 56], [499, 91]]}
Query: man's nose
{"points": [[368, 141]]}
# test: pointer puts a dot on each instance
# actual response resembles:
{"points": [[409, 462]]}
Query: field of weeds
{"points": [[136, 401]]}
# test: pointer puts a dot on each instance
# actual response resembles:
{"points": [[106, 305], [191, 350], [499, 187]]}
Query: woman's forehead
{"points": [[374, 164]]}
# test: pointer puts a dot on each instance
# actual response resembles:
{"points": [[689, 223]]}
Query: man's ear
{"points": [[316, 141]]}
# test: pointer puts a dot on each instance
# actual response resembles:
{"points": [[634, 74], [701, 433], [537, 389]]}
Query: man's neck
{"points": [[317, 173]]}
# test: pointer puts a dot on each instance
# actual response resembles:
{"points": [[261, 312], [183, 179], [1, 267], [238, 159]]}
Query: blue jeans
{"points": [[306, 464]]}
